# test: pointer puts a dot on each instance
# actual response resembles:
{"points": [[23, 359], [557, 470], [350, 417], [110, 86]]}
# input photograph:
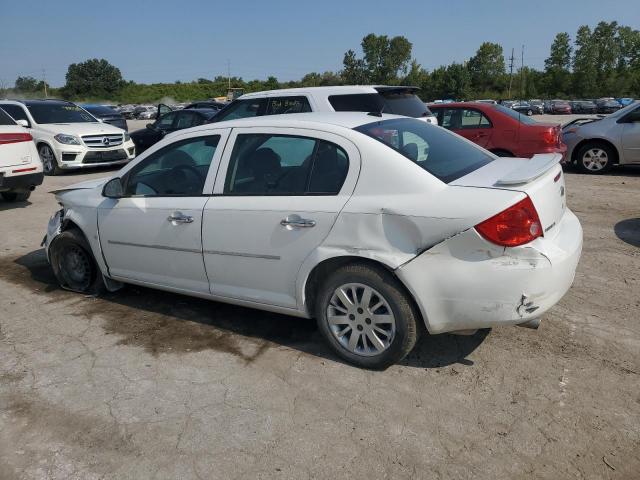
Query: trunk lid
{"points": [[540, 177]]}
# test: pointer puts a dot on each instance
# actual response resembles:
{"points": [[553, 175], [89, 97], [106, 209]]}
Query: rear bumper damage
{"points": [[466, 282]]}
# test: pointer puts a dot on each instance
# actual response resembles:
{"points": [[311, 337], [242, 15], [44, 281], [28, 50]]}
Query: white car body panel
{"points": [[389, 210], [19, 161]]}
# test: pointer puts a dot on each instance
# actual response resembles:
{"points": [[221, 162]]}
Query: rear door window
{"points": [[474, 119], [266, 164]]}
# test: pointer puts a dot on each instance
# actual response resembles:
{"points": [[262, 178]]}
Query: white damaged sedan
{"points": [[376, 225]]}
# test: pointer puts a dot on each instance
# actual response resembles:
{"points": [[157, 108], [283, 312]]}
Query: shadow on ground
{"points": [[162, 322], [4, 205], [628, 231]]}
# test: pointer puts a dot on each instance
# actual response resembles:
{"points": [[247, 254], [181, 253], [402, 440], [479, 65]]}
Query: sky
{"points": [[165, 41]]}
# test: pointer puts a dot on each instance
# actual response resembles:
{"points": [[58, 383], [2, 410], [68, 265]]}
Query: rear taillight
{"points": [[14, 138], [517, 225], [550, 136]]}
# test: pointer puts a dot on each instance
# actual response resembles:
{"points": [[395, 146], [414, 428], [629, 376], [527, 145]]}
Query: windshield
{"points": [[59, 113], [443, 154], [515, 115], [100, 110], [625, 110]]}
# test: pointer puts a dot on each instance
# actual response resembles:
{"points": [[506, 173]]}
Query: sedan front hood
{"points": [[87, 185]]}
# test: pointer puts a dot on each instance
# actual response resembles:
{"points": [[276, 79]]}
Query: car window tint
{"points": [[5, 119], [242, 109], [404, 103], [166, 121], [329, 170], [282, 105], [357, 102], [264, 164], [452, 118], [446, 156], [15, 111], [179, 169], [184, 120], [473, 119]]}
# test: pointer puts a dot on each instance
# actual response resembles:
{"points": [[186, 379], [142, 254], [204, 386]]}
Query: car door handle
{"points": [[178, 218], [295, 221]]}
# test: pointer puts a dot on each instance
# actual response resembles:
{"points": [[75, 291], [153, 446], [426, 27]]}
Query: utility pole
{"points": [[44, 82], [510, 72], [522, 75], [229, 72]]}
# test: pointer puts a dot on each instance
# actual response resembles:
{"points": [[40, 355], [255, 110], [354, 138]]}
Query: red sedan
{"points": [[500, 130]]}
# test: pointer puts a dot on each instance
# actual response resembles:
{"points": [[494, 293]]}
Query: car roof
{"points": [[36, 102], [334, 90], [349, 120]]}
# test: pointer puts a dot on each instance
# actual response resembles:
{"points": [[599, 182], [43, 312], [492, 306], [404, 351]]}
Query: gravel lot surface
{"points": [[141, 384]]}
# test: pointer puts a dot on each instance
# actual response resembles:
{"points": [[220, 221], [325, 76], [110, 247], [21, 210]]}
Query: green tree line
{"points": [[599, 61]]}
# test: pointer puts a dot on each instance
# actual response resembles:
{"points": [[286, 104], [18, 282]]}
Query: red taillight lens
{"points": [[550, 137], [517, 225], [14, 138]]}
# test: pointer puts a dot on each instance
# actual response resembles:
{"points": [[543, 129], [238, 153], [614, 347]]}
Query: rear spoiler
{"points": [[531, 170]]}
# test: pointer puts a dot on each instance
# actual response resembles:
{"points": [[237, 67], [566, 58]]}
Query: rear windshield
{"points": [[399, 103], [59, 113], [515, 114], [5, 119], [444, 155]]}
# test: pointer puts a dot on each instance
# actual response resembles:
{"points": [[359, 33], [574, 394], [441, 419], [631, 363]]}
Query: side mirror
{"points": [[151, 126], [23, 123], [113, 188]]}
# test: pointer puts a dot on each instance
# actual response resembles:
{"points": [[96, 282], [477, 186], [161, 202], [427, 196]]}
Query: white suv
{"points": [[69, 137], [355, 98], [20, 167]]}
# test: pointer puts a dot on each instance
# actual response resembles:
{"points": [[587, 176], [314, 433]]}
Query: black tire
{"points": [[49, 162], [401, 306], [16, 196], [586, 154], [73, 263], [529, 112]]}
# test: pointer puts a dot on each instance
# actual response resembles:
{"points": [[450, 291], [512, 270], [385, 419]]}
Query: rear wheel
{"points": [[49, 163], [595, 158], [366, 316], [73, 264], [16, 196], [529, 112]]}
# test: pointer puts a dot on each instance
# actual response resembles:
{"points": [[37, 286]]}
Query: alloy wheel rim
{"points": [[361, 319], [47, 159], [595, 159]]}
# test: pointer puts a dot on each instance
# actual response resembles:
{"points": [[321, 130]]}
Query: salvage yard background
{"points": [[144, 384]]}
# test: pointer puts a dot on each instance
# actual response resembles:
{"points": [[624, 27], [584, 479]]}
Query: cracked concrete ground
{"points": [[143, 384]]}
